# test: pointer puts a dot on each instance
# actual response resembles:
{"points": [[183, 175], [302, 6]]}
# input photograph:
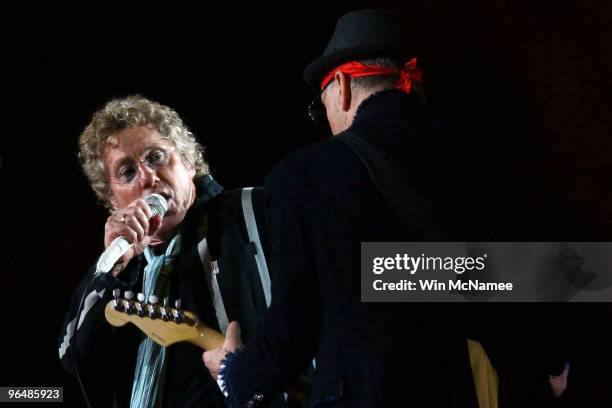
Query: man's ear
{"points": [[344, 88]]}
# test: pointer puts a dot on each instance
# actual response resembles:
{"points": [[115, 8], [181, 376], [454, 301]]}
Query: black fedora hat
{"points": [[361, 35]]}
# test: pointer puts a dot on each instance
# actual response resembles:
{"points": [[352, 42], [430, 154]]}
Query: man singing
{"points": [[205, 251]]}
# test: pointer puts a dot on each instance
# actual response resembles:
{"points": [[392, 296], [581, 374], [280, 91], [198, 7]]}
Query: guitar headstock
{"points": [[163, 324]]}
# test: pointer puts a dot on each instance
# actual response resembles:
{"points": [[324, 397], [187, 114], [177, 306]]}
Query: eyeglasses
{"points": [[316, 111], [155, 158]]}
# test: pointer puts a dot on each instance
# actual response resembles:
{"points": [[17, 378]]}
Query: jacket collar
{"points": [[207, 188], [386, 104]]}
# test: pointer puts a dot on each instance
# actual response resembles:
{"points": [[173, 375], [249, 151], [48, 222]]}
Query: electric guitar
{"points": [[167, 325]]}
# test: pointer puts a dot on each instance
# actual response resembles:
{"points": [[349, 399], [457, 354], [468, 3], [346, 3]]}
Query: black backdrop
{"points": [[536, 72]]}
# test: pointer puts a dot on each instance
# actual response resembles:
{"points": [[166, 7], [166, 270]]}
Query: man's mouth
{"points": [[167, 196], [164, 194]]}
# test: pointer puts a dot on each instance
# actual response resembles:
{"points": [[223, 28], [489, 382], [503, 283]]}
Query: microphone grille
{"points": [[157, 203]]}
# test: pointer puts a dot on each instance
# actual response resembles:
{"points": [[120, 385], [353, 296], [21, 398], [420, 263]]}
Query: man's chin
{"points": [[169, 225], [171, 211]]}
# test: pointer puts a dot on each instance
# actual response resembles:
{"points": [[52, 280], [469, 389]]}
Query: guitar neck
{"points": [[207, 338]]}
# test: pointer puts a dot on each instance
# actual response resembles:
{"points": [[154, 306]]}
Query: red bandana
{"points": [[354, 69]]}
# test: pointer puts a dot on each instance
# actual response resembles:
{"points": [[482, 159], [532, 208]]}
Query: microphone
{"points": [[120, 245]]}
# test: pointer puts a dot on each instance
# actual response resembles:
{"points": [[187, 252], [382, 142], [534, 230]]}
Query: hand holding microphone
{"points": [[128, 232]]}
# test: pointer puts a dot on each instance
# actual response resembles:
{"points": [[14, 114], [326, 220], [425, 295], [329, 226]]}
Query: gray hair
{"points": [[130, 112], [379, 83]]}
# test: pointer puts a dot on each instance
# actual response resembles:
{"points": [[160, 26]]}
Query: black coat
{"points": [[320, 206], [106, 355]]}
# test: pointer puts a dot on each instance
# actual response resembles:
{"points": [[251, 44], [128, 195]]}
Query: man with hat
{"points": [[322, 202]]}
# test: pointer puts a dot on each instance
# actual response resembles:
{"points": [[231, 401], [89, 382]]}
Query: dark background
{"points": [[537, 73]]}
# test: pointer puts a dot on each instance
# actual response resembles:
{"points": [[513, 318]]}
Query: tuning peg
{"points": [[164, 309], [129, 307], [139, 306], [178, 314], [153, 314], [139, 309], [117, 305]]}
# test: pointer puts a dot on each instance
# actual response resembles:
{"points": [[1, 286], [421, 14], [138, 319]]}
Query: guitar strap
{"points": [[400, 195], [239, 290], [394, 187], [251, 224]]}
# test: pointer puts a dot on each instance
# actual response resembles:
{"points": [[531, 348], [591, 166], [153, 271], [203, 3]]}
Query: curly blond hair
{"points": [[129, 112]]}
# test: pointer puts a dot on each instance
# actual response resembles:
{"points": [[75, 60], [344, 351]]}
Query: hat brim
{"points": [[317, 69]]}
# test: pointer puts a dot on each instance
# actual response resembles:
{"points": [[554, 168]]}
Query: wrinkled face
{"points": [[140, 162]]}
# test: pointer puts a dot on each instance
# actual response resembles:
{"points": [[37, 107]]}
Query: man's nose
{"points": [[148, 176]]}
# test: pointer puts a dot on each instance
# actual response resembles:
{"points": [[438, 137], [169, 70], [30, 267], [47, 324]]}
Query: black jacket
{"points": [[320, 206], [105, 356]]}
